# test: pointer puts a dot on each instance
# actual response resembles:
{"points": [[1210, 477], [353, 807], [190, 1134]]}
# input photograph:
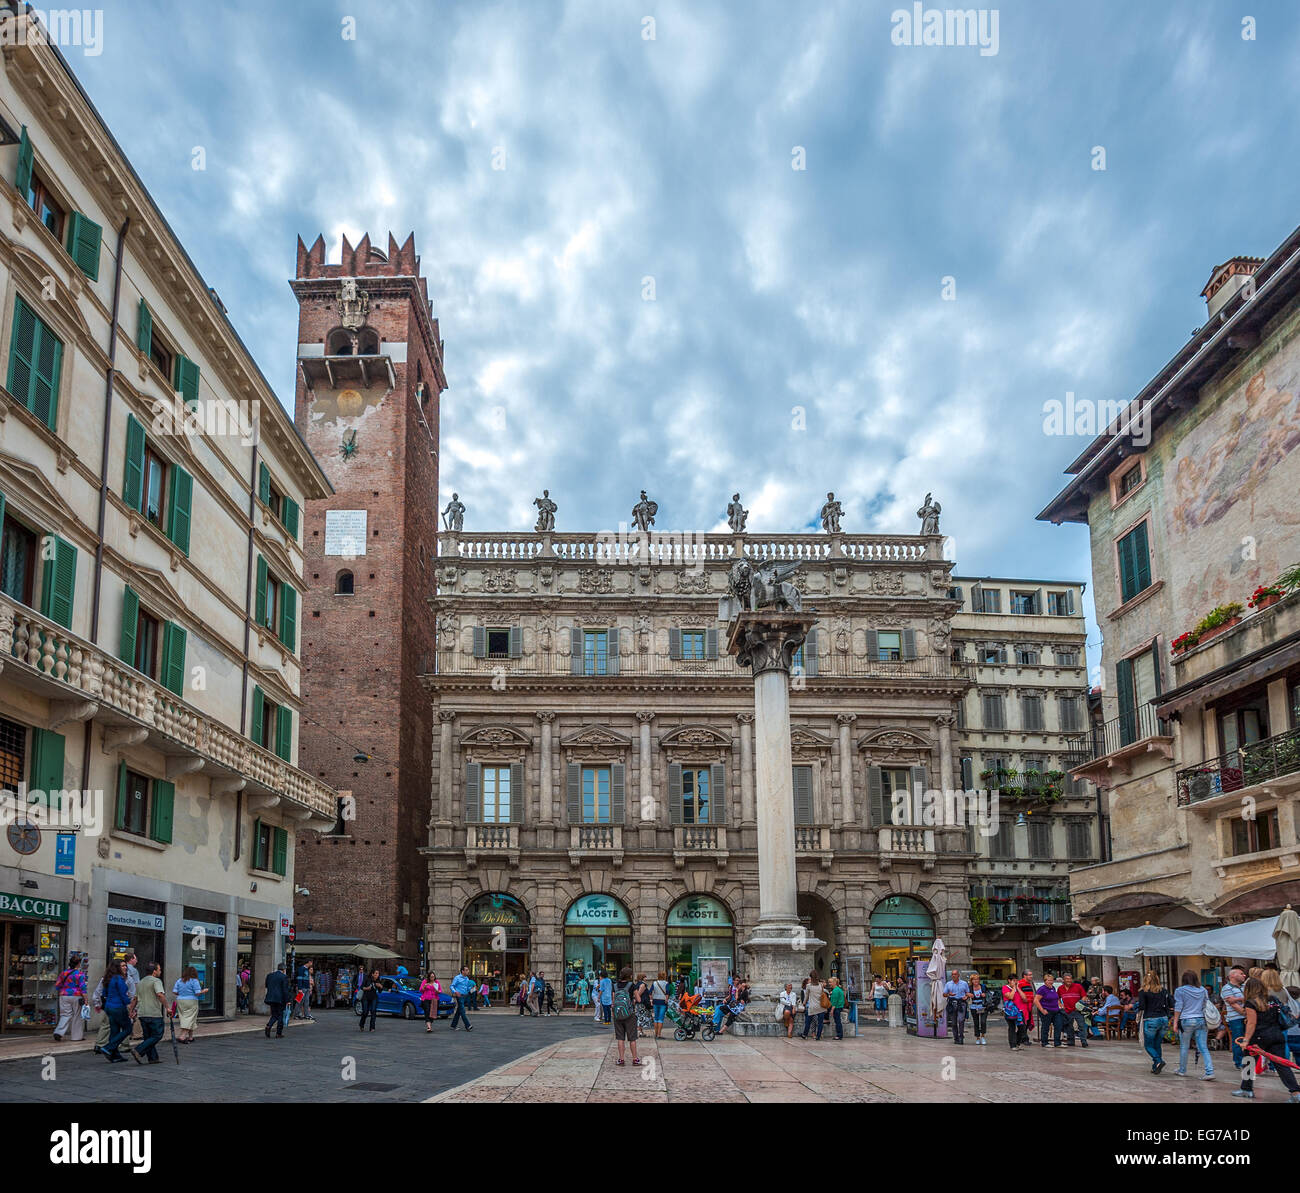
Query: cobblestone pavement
{"points": [[882, 1065]]}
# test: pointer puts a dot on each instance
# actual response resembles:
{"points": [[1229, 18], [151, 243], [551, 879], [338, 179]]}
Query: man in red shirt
{"points": [[1071, 994]]}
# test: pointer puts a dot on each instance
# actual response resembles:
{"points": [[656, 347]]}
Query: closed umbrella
{"points": [[935, 972], [1286, 934]]}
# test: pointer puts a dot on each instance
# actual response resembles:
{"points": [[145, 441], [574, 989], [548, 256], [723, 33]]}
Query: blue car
{"points": [[400, 995]]}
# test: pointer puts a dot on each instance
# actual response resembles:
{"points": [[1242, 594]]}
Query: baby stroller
{"points": [[689, 1022]]}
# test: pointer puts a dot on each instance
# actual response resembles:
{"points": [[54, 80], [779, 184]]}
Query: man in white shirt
{"points": [[1235, 1010]]}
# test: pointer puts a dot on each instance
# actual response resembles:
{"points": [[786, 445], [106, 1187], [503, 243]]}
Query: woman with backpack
{"points": [[1266, 1023], [1153, 1007], [1018, 1010], [624, 1014]]}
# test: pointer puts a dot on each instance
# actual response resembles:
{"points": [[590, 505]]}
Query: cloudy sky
{"points": [[649, 294]]}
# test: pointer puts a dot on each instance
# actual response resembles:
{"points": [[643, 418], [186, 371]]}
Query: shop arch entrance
{"points": [[597, 942], [818, 917], [496, 940], [700, 930], [902, 929]]}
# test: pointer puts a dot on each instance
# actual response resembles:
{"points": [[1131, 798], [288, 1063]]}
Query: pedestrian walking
{"points": [[583, 993], [461, 985], [430, 988], [956, 990], [277, 995], [1071, 993], [70, 986], [606, 999], [151, 1012], [982, 1000], [660, 989], [1266, 1020], [302, 999], [188, 990], [838, 999], [369, 1000], [244, 1000], [117, 1002], [1017, 1009], [485, 993], [623, 1013], [539, 993], [816, 1002], [1234, 1011], [879, 996], [1189, 1023], [550, 999], [1047, 1002], [1153, 1007], [788, 1004]]}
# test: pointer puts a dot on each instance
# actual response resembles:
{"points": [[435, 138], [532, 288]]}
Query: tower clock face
{"points": [[25, 838]]}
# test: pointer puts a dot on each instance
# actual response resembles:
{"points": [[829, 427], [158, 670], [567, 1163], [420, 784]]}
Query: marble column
{"points": [[442, 813], [847, 803], [546, 809], [645, 769], [746, 720], [946, 781]]}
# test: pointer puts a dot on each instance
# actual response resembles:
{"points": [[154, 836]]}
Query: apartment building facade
{"points": [[1026, 643], [150, 575], [594, 800], [1191, 506]]}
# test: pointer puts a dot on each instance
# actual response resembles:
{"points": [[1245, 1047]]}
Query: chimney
{"points": [[1226, 280]]}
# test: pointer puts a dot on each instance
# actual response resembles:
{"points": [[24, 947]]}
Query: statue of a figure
{"points": [[764, 585], [831, 513], [643, 513], [929, 515], [736, 515], [453, 517], [545, 512]]}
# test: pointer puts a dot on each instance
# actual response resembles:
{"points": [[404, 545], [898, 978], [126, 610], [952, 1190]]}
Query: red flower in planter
{"points": [[1183, 642], [1262, 594]]}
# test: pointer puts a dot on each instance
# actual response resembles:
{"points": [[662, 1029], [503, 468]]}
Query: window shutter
{"points": [[284, 732], [611, 655], [958, 594], [876, 796], [718, 794], [1127, 708], [573, 791], [976, 598], [289, 507], [711, 644], [280, 859], [674, 642], [675, 793], [26, 158], [1037, 603], [119, 813], [259, 612], [264, 484], [1069, 602], [873, 646], [289, 616], [480, 642], [473, 793], [803, 795], [967, 775], [575, 658], [173, 658], [810, 653], [909, 644], [47, 362], [517, 793], [516, 641], [178, 523], [84, 236], [160, 810], [45, 773], [617, 793], [130, 622], [22, 352], [59, 582], [144, 329], [185, 379], [133, 481], [259, 714], [259, 855], [920, 781], [1002, 654], [1142, 557]]}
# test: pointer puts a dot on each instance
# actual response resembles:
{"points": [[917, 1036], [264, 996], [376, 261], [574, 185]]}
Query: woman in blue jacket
{"points": [[117, 1006]]}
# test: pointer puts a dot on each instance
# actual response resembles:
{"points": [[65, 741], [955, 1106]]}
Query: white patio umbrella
{"points": [[1252, 939], [1286, 935], [936, 972], [1124, 943]]}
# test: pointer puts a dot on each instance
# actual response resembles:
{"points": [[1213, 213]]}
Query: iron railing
{"points": [[1127, 729], [1238, 769]]}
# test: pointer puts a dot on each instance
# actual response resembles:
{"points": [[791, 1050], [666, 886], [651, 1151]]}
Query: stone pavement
{"points": [[881, 1065]]}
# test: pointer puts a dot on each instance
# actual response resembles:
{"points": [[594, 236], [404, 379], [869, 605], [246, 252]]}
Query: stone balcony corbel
{"points": [[259, 803], [121, 736], [65, 712]]}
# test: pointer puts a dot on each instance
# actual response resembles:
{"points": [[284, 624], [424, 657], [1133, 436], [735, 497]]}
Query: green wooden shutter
{"points": [[803, 795], [2, 510], [259, 854], [160, 811], [290, 508], [517, 792], [1124, 691], [876, 797], [133, 480], [45, 389], [45, 773], [144, 329], [617, 795], [26, 158], [718, 794], [284, 732], [178, 521], [260, 608], [473, 793], [264, 484], [173, 658], [119, 813], [130, 623], [289, 616], [280, 857], [185, 379], [573, 787], [1142, 557], [259, 714], [674, 792], [35, 363], [84, 236], [22, 352], [59, 582]]}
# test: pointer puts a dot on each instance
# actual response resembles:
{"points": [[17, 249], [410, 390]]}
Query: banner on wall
{"points": [[713, 977]]}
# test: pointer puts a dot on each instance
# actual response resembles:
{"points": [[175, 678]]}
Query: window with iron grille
{"points": [[13, 754]]}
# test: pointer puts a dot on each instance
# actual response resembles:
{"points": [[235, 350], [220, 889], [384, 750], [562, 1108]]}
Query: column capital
{"points": [[945, 721], [446, 715], [546, 716], [645, 717], [767, 639], [745, 718], [846, 718]]}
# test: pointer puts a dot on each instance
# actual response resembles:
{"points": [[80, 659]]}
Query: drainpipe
{"points": [[248, 639], [103, 475]]}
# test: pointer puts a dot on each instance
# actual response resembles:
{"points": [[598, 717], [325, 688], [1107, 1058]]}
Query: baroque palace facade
{"points": [[593, 761]]}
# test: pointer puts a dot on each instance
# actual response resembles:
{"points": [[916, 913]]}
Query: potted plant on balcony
{"points": [[1264, 596], [1053, 789], [980, 913], [1007, 777], [1289, 580], [1218, 619], [1183, 642]]}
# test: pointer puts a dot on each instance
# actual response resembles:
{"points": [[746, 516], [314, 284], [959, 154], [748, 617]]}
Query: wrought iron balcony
{"points": [[1259, 762]]}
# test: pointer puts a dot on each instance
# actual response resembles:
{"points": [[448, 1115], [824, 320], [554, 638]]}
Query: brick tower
{"points": [[370, 379]]}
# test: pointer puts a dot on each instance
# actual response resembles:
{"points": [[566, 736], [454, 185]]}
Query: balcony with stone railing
{"points": [[82, 681], [492, 843], [588, 842], [691, 842], [904, 843]]}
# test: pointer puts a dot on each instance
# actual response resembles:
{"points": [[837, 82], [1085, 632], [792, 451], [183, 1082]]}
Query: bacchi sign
{"points": [[28, 908]]}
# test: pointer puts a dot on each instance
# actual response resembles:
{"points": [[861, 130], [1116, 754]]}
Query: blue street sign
{"points": [[65, 853]]}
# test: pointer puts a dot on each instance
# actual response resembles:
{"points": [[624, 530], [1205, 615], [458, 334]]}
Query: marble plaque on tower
{"points": [[345, 532]]}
